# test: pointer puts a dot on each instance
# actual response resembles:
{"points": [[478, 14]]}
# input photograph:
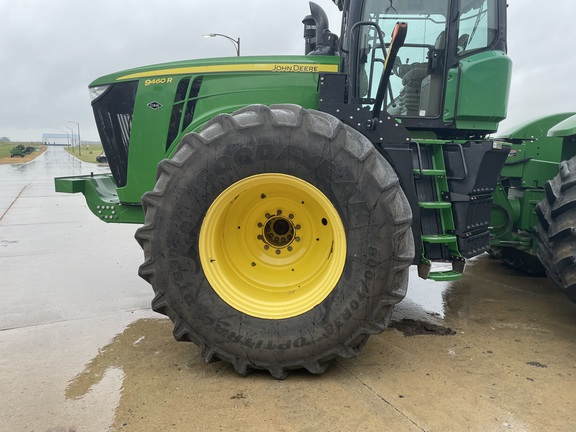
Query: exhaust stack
{"points": [[324, 41]]}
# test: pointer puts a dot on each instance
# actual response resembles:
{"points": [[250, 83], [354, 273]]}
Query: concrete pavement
{"points": [[80, 349]]}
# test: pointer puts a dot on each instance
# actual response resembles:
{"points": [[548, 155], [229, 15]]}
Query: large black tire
{"points": [[556, 231], [282, 141], [521, 260]]}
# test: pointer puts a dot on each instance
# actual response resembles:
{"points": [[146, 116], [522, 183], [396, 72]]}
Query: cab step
{"points": [[436, 205], [445, 276], [440, 239]]}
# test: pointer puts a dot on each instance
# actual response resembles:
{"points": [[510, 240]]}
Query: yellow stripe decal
{"points": [[256, 67]]}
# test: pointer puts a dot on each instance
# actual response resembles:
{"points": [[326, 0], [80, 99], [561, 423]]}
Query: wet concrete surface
{"points": [[81, 350]]}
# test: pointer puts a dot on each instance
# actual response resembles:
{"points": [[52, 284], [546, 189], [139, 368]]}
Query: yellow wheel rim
{"points": [[272, 246]]}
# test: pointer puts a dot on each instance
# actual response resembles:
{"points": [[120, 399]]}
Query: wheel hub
{"points": [[272, 246], [278, 231]]}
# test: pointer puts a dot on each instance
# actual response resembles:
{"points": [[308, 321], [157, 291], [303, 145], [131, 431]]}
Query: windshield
{"points": [[416, 83]]}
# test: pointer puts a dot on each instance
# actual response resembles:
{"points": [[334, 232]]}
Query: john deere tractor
{"points": [[534, 215], [284, 198]]}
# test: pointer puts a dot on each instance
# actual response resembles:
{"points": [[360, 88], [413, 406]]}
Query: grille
{"points": [[183, 108], [113, 113]]}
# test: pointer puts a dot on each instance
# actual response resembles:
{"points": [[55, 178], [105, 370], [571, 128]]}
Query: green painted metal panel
{"points": [[536, 159], [101, 197], [275, 64], [564, 128], [228, 84], [477, 91]]}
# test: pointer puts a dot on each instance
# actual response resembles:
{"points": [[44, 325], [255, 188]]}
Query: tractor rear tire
{"points": [[556, 231], [276, 239], [523, 261]]}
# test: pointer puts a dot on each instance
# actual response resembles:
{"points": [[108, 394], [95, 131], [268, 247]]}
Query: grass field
{"points": [[89, 152], [5, 152], [5, 147]]}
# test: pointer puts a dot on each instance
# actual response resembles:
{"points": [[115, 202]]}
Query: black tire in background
{"points": [[523, 261], [305, 145], [556, 231]]}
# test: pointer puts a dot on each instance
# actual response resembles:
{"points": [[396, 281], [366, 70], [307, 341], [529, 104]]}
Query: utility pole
{"points": [[79, 142], [68, 136]]}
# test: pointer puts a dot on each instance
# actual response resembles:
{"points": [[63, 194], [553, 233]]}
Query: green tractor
{"points": [[284, 198], [534, 215], [21, 151]]}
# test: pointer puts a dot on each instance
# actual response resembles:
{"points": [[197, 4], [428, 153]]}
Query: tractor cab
{"points": [[451, 75]]}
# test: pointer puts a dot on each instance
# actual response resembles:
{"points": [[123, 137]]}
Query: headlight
{"points": [[96, 92]]}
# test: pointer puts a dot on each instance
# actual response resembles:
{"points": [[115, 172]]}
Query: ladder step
{"points": [[430, 172], [445, 276], [438, 239], [436, 205]]}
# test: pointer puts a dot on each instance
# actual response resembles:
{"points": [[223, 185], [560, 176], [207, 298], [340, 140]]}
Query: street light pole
{"points": [[79, 142], [236, 42], [71, 130]]}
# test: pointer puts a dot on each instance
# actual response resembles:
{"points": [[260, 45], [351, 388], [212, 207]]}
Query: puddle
{"points": [[127, 351], [424, 301], [166, 385]]}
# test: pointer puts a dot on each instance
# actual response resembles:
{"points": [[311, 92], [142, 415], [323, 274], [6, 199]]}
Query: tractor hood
{"points": [[286, 64]]}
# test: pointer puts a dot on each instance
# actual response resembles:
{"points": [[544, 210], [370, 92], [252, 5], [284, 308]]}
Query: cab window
{"points": [[478, 26]]}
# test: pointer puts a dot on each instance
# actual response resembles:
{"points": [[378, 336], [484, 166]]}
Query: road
{"points": [[81, 350]]}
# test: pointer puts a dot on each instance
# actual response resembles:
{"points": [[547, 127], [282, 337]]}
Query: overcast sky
{"points": [[50, 50]]}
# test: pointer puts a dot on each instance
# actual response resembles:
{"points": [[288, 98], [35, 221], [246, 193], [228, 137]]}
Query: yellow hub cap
{"points": [[272, 246]]}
